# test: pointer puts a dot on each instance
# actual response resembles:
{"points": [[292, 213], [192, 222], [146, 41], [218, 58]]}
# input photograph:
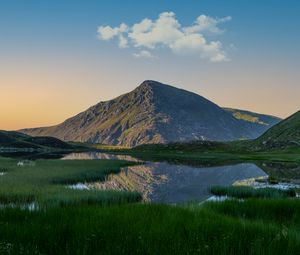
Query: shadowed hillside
{"points": [[11, 139]]}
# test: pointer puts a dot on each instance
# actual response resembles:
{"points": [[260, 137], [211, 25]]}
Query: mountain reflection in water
{"points": [[167, 183], [161, 182]]}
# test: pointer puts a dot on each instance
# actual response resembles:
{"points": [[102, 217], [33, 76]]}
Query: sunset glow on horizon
{"points": [[55, 63]]}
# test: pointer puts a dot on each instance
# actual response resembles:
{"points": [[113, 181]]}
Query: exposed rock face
{"points": [[152, 113]]}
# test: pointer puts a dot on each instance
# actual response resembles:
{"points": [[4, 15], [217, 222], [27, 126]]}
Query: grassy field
{"points": [[230, 227], [70, 221], [44, 182]]}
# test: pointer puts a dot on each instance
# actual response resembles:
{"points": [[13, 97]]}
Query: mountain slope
{"points": [[284, 134], [12, 139], [152, 113], [256, 123]]}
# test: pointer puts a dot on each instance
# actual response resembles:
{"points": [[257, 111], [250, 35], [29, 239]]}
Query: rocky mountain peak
{"points": [[152, 113]]}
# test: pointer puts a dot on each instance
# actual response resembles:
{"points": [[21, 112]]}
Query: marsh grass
{"points": [[153, 229], [98, 222], [45, 182], [249, 192], [274, 211]]}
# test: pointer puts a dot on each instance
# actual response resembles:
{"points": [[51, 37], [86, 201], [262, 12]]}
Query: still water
{"points": [[161, 182]]}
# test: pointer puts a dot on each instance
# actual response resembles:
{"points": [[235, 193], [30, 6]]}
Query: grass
{"points": [[283, 212], [109, 222], [207, 152], [99, 146], [279, 171], [44, 182], [252, 227], [281, 165], [249, 192]]}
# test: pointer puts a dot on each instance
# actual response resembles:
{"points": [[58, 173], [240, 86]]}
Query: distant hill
{"points": [[156, 113], [284, 134], [256, 123], [12, 139]]}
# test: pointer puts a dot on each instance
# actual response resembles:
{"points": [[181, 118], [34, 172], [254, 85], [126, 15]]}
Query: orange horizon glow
{"points": [[26, 104], [45, 92], [58, 58]]}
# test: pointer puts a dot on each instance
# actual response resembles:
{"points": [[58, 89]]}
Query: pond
{"points": [[161, 182]]}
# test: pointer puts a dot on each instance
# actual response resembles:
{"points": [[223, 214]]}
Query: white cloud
{"points": [[123, 42], [192, 44], [166, 31], [143, 54], [207, 24], [106, 33]]}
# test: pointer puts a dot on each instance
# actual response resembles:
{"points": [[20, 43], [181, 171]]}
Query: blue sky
{"points": [[50, 48]]}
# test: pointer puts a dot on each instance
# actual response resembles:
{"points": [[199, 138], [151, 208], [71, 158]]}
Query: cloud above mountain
{"points": [[148, 36]]}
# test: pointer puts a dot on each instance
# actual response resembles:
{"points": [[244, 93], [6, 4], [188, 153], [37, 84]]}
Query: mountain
{"points": [[152, 113], [284, 134], [256, 123], [12, 139]]}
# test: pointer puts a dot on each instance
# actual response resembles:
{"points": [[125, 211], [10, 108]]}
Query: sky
{"points": [[59, 57]]}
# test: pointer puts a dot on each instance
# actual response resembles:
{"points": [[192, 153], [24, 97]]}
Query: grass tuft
{"points": [[249, 192]]}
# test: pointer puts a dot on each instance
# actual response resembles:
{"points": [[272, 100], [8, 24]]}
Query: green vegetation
{"points": [[106, 147], [281, 171], [68, 221], [206, 153], [231, 227], [252, 117], [284, 134], [43, 182], [284, 212], [249, 192], [279, 143]]}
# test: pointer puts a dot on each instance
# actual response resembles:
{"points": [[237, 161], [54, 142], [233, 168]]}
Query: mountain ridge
{"points": [[151, 113]]}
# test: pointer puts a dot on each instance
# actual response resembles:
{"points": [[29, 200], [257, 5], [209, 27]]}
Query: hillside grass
{"points": [[284, 134]]}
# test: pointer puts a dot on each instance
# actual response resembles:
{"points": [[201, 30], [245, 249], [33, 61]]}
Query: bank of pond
{"points": [[115, 206]]}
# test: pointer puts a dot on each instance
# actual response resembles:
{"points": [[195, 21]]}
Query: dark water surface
{"points": [[162, 182]]}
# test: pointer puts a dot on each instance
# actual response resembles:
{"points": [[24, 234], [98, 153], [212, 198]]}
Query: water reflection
{"points": [[166, 183], [162, 182], [97, 155]]}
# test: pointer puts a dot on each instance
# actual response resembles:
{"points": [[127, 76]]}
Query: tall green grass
{"points": [[274, 211], [45, 182], [148, 229], [249, 192]]}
